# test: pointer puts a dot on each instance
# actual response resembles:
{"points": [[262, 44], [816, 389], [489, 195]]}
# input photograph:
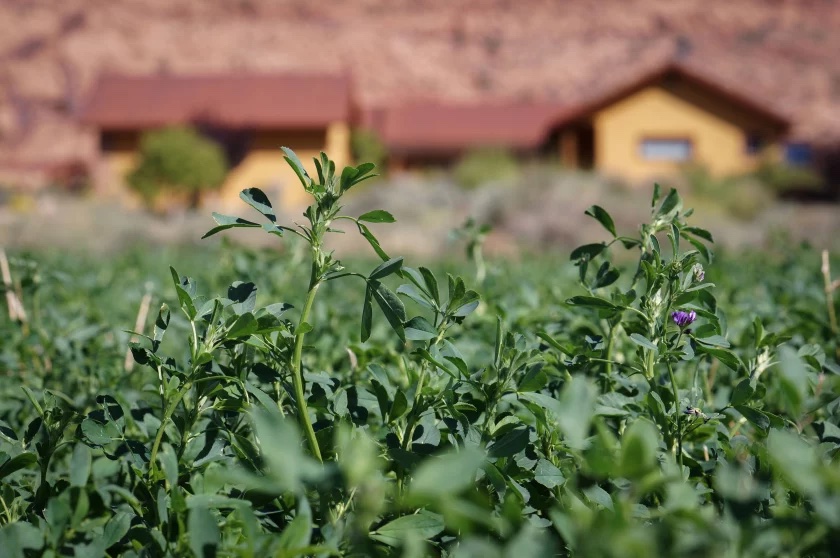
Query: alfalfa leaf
{"points": [[599, 213]]}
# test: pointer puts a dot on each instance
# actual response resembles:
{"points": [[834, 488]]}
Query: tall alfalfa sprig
{"points": [[326, 189], [652, 309]]}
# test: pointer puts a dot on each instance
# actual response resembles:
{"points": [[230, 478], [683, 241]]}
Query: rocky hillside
{"points": [[782, 51]]}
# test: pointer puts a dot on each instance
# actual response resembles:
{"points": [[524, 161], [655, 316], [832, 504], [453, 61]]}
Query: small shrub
{"points": [[485, 164], [743, 197], [785, 178], [177, 160], [368, 146]]}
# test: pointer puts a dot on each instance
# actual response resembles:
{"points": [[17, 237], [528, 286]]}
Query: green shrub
{"points": [[743, 197], [177, 160], [481, 165], [782, 177], [367, 146]]}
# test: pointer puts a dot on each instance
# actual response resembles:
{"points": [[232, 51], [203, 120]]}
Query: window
{"points": [[666, 149], [798, 154], [754, 144]]}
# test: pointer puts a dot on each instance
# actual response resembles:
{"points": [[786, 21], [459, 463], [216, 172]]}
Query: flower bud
{"points": [[698, 272]]}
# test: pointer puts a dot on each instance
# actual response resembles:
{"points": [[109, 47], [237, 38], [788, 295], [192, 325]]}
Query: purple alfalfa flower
{"points": [[683, 318]]}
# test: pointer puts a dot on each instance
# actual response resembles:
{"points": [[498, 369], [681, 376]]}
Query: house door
{"points": [[586, 147], [235, 143]]}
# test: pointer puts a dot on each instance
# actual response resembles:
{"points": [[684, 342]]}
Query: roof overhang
{"points": [[254, 101], [661, 74]]}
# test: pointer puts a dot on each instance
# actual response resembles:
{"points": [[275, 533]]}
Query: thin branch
{"points": [[829, 292], [16, 311], [139, 325]]}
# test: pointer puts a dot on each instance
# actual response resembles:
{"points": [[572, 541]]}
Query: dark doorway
{"points": [[235, 142], [586, 147]]}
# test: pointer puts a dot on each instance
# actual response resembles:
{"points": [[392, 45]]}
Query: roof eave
{"points": [[586, 110]]}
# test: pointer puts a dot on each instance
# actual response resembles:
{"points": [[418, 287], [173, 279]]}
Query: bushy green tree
{"points": [[368, 146], [177, 160]]}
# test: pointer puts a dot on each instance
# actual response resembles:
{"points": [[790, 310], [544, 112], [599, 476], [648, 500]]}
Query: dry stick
{"points": [[16, 311], [829, 292], [139, 325], [830, 287]]}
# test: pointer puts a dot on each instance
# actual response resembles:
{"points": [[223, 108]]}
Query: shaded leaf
{"points": [[643, 341], [742, 393], [391, 306], [16, 463], [203, 532], [548, 475], [446, 475], [510, 444], [367, 315], [386, 268], [419, 329], [603, 217], [423, 525], [591, 301], [588, 251], [226, 222], [257, 199], [377, 216]]}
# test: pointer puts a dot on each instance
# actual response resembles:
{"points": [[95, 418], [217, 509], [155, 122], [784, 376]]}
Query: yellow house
{"points": [[664, 120], [250, 115], [647, 128]]}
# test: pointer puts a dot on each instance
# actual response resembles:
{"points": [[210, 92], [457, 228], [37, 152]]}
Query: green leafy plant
{"points": [[366, 145], [474, 236], [177, 160], [327, 192], [482, 165], [742, 196], [662, 404], [785, 178]]}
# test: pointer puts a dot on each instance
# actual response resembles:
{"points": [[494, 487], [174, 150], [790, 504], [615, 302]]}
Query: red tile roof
{"points": [[449, 128], [740, 99], [435, 127], [235, 100]]}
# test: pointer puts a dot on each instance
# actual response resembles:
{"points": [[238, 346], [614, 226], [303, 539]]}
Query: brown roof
{"points": [[435, 127], [453, 51], [676, 69], [450, 128], [244, 100]]}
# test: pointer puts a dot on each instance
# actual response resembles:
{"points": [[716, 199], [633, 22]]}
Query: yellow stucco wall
{"points": [[265, 168], [655, 113], [119, 157], [338, 144]]}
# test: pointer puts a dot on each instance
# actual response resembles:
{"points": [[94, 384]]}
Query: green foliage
{"points": [[177, 160], [474, 236], [482, 165], [567, 414], [782, 177], [743, 197], [366, 145]]}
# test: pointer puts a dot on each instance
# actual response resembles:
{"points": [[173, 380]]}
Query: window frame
{"points": [[755, 144], [798, 154], [683, 140]]}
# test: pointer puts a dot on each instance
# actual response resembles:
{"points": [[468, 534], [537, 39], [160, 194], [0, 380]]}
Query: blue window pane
{"points": [[666, 149], [798, 153]]}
